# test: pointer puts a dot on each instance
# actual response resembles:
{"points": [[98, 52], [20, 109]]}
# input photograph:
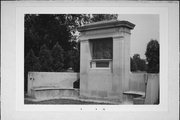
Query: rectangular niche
{"points": [[101, 52]]}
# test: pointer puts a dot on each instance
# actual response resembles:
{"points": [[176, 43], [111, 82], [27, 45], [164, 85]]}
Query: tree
{"points": [[45, 59], [58, 58], [46, 29], [101, 17], [142, 65], [133, 65], [75, 60], [152, 55], [138, 63], [31, 64]]}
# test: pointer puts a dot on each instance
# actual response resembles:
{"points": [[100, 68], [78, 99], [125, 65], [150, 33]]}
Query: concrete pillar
{"points": [[118, 68], [84, 66]]}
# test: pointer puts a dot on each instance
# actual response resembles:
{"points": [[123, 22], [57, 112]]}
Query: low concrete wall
{"points": [[63, 80], [152, 92], [137, 82]]}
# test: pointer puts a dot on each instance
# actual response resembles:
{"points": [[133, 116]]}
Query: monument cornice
{"points": [[105, 25], [87, 38]]}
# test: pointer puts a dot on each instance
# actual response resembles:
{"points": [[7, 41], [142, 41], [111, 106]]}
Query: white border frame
{"points": [[20, 11], [16, 98]]}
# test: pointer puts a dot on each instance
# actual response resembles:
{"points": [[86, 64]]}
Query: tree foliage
{"points": [[101, 17], [138, 64], [32, 62], [133, 65], [152, 55], [58, 58], [45, 59], [75, 63], [46, 29], [49, 29], [141, 64]]}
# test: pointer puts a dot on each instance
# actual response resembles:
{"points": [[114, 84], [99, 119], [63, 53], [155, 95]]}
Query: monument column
{"points": [[118, 68], [125, 32], [84, 65]]}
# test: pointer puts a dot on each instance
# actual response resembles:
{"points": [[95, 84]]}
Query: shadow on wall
{"points": [[76, 84]]}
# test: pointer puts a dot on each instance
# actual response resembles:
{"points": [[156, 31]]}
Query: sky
{"points": [[147, 28]]}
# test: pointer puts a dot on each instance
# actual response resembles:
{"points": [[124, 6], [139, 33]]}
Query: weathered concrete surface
{"points": [[45, 91], [106, 83], [137, 82], [54, 93], [152, 92], [151, 89], [59, 80]]}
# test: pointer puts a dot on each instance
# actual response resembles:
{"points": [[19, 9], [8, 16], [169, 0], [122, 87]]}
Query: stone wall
{"points": [[137, 82], [63, 80], [152, 90]]}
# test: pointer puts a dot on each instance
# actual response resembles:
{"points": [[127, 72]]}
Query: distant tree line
{"points": [[151, 63], [138, 64]]}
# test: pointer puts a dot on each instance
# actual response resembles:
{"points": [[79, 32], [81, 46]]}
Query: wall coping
{"points": [[105, 25]]}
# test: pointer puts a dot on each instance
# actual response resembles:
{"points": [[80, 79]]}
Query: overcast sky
{"points": [[147, 28]]}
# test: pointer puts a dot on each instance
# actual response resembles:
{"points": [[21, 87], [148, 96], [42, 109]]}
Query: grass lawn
{"points": [[61, 101]]}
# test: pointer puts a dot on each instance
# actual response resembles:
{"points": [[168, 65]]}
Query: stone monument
{"points": [[105, 59]]}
